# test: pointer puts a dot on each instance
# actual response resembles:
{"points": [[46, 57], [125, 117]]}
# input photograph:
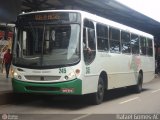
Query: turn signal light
{"points": [[77, 71]]}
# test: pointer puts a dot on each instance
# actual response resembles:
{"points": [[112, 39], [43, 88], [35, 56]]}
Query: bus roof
{"points": [[100, 20]]}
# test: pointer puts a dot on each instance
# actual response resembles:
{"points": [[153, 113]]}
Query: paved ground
{"points": [[117, 103], [6, 94], [5, 84]]}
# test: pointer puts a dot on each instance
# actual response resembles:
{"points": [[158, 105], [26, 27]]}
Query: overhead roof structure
{"points": [[9, 9], [110, 9]]}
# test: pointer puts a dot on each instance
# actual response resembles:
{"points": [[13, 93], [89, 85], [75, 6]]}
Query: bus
{"points": [[73, 52]]}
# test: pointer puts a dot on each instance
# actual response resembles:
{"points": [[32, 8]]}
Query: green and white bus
{"points": [[72, 52]]}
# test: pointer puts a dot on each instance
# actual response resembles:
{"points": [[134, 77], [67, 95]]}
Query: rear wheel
{"points": [[97, 97], [138, 87]]}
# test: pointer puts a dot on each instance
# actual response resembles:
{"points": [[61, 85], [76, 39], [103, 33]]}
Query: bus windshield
{"points": [[46, 45]]}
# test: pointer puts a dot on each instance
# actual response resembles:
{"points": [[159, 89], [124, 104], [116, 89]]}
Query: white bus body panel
{"points": [[122, 69]]}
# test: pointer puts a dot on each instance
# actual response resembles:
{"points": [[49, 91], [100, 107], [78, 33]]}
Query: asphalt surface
{"points": [[5, 84], [117, 103]]}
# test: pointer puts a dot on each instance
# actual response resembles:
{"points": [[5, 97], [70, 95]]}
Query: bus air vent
{"points": [[40, 88], [42, 78]]}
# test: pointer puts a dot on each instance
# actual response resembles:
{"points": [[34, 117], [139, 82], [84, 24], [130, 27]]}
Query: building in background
{"points": [[6, 38]]}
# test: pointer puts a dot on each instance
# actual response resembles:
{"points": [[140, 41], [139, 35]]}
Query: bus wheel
{"points": [[138, 87], [97, 97]]}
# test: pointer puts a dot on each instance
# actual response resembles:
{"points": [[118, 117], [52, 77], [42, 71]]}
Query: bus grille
{"points": [[42, 78], [38, 88]]}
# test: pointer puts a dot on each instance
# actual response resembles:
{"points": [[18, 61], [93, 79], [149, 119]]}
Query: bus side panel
{"points": [[148, 66], [119, 73], [122, 70], [89, 84], [118, 68]]}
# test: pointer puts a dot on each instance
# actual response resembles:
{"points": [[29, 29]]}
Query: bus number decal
{"points": [[62, 70], [87, 70]]}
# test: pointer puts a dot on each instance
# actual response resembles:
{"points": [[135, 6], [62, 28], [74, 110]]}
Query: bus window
{"points": [[114, 38], [142, 45], [125, 39], [22, 44], [102, 37], [89, 46], [91, 39], [135, 44], [149, 47]]}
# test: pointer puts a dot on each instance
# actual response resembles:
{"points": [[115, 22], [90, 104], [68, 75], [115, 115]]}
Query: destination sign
{"points": [[51, 16]]}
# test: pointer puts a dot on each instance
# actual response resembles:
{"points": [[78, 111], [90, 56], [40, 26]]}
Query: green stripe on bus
{"points": [[73, 87]]}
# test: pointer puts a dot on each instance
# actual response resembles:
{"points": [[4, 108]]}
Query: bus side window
{"points": [[135, 44], [114, 38], [125, 39], [91, 39], [102, 37], [142, 45], [84, 38], [149, 47], [89, 44]]}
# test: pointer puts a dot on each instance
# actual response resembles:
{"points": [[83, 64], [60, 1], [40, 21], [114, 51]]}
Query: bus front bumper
{"points": [[73, 87]]}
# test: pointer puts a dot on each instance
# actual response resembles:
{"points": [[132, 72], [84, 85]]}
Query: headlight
{"points": [[72, 75], [13, 73], [16, 75]]}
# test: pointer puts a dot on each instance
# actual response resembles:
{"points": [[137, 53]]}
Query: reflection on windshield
{"points": [[47, 45]]}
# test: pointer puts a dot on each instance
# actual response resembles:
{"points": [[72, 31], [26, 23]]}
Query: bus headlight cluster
{"points": [[16, 75], [72, 75]]}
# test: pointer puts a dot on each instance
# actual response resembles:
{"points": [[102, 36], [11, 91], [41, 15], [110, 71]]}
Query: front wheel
{"points": [[97, 97]]}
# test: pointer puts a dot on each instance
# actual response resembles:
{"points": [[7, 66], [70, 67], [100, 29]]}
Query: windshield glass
{"points": [[47, 45]]}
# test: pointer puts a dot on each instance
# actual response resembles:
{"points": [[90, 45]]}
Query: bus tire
{"points": [[97, 98], [138, 87]]}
